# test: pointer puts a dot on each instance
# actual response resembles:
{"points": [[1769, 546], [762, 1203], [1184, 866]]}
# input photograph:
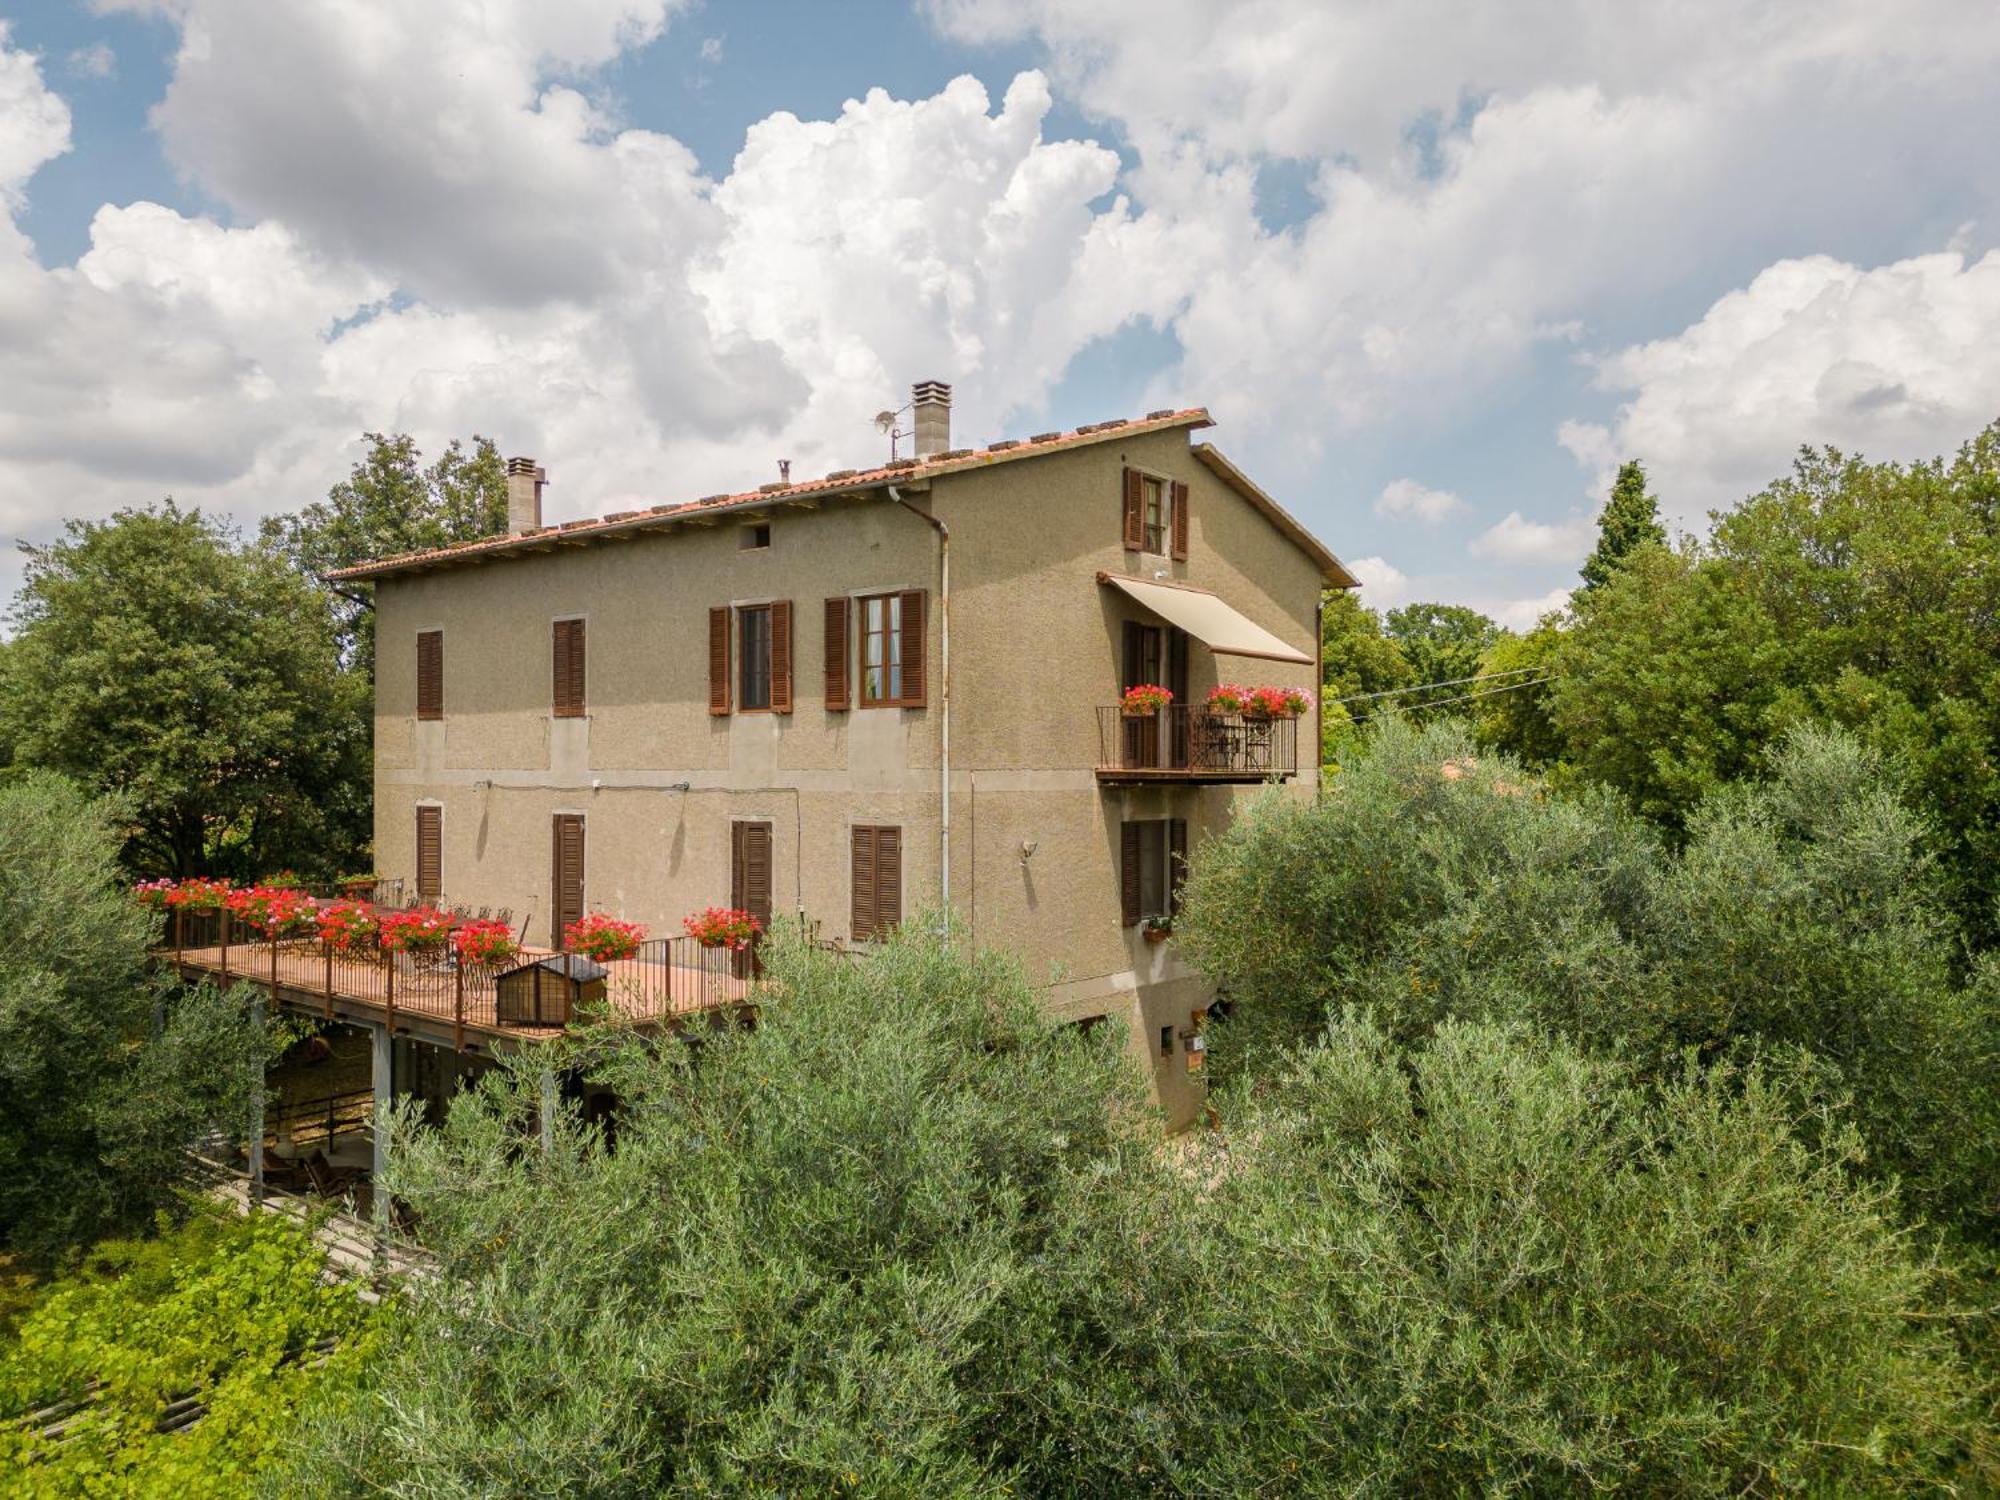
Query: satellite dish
{"points": [[884, 420]]}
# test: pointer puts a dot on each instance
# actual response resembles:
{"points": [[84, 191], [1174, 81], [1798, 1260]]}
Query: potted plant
{"points": [[723, 927], [1158, 929], [356, 887], [484, 944], [1146, 699], [1227, 698], [421, 931], [278, 911], [603, 938], [349, 927], [154, 895], [199, 893]]}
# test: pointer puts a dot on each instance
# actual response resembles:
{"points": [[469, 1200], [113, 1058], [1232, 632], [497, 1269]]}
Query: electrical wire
{"points": [[1460, 698], [1429, 687]]}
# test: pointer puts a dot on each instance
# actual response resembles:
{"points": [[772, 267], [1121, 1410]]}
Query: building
{"points": [[859, 698]]}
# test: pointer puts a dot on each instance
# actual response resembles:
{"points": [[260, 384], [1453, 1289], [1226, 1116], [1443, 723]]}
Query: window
{"points": [[430, 852], [1152, 859], [1154, 514], [876, 880], [430, 674], [753, 537], [568, 697], [753, 658], [892, 649]]}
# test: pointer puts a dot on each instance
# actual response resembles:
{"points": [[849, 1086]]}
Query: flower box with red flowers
{"points": [[198, 893], [421, 930], [349, 927], [723, 927], [1146, 699], [484, 944], [277, 911], [1227, 698], [1276, 703], [603, 938], [154, 895]]}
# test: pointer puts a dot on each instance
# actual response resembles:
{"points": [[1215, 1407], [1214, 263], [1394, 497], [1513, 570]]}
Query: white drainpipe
{"points": [[944, 693]]}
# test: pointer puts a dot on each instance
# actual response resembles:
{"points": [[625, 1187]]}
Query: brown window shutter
{"points": [[430, 674], [568, 697], [1176, 862], [781, 656], [915, 635], [888, 878], [838, 652], [861, 883], [1179, 543], [567, 876], [757, 870], [430, 852], [718, 660], [1135, 511], [1128, 874]]}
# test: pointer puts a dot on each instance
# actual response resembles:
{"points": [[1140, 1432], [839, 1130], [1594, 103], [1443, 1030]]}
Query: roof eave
{"points": [[1331, 568]]}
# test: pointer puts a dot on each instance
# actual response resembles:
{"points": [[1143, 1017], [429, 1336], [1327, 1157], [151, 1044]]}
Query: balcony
{"points": [[1184, 744]]}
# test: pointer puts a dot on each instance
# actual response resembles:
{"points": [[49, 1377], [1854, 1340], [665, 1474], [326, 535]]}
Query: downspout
{"points": [[944, 694]]}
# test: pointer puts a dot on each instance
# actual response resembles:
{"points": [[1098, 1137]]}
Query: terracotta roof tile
{"points": [[840, 480]]}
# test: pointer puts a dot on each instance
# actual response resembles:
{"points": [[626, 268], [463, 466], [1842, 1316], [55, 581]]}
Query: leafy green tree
{"points": [[1630, 520], [392, 503], [230, 1312], [1860, 594], [1441, 642], [158, 659], [1355, 657], [106, 1073], [1516, 713], [1434, 884]]}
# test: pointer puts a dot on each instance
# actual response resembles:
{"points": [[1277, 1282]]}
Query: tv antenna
{"points": [[885, 422]]}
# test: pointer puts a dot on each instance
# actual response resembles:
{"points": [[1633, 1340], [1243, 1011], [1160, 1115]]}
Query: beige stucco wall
{"points": [[1035, 651]]}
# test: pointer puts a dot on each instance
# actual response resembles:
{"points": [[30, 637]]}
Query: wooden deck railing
{"points": [[1181, 742]]}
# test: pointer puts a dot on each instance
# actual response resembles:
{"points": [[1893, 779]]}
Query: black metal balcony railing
{"points": [[1183, 743]]}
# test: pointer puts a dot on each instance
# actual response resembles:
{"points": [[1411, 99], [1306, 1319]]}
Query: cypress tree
{"points": [[1631, 518]]}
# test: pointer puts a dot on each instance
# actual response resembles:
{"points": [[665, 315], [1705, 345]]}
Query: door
{"points": [[750, 883], [1143, 651], [566, 877]]}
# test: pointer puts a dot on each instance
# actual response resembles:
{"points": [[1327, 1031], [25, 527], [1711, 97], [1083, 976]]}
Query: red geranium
{"points": [[1147, 698], [423, 929], [153, 894], [603, 938], [277, 910], [199, 893], [484, 943], [348, 926], [723, 927]]}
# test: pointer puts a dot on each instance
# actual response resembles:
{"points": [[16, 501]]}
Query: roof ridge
{"points": [[838, 480]]}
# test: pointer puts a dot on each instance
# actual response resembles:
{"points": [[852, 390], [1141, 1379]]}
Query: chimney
{"points": [[930, 402], [525, 479]]}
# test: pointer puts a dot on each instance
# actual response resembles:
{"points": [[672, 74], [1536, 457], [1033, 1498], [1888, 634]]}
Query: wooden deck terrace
{"points": [[667, 984]]}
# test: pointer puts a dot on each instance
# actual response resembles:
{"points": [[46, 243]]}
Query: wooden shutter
{"points": [[430, 674], [718, 660], [862, 916], [1135, 511], [1176, 862], [1179, 543], [838, 653], [754, 895], [568, 698], [888, 877], [566, 876], [430, 852], [913, 628], [781, 656], [1128, 874]]}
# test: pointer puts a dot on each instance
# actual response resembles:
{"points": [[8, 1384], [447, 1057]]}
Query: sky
{"points": [[1435, 268]]}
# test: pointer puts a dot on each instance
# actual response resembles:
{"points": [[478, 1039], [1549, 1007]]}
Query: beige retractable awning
{"points": [[1206, 618]]}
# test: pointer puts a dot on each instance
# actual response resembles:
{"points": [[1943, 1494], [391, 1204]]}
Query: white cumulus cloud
{"points": [[1383, 584], [1405, 498], [1516, 539]]}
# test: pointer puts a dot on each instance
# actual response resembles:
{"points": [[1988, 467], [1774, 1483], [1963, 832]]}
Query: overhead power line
{"points": [[1431, 687], [1462, 697]]}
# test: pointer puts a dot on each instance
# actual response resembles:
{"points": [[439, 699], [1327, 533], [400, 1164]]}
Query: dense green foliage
{"points": [[1441, 642], [906, 1237], [159, 659], [1800, 915], [1630, 520], [392, 503], [224, 1310], [106, 1072]]}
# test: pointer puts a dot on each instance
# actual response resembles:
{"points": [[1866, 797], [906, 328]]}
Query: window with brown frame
{"points": [[430, 674], [876, 881], [568, 697], [891, 642], [1152, 858], [1155, 514], [753, 656]]}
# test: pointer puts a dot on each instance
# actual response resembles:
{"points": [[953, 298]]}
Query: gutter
{"points": [[944, 693]]}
